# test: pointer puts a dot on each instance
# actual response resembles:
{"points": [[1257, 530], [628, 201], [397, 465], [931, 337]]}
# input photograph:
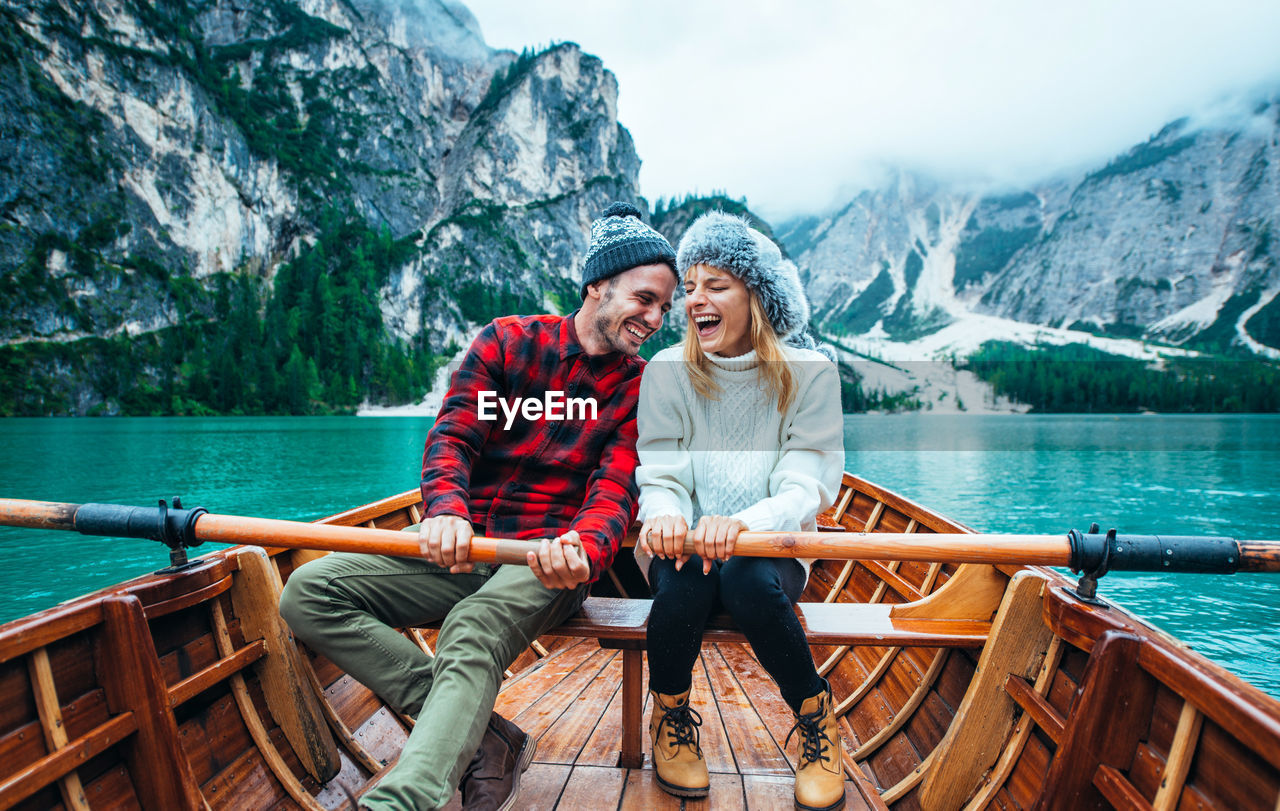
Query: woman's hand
{"points": [[662, 536], [715, 538]]}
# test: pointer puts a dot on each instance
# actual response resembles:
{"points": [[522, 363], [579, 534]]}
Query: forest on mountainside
{"points": [[311, 343], [1081, 379]]}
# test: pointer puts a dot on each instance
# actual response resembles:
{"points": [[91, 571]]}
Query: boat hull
{"points": [[185, 689]]}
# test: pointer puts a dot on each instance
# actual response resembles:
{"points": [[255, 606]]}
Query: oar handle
{"points": [[1041, 550], [1051, 550], [232, 529]]}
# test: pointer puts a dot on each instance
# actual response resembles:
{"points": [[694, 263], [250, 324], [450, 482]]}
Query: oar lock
{"points": [[1095, 554], [174, 527], [1087, 588]]}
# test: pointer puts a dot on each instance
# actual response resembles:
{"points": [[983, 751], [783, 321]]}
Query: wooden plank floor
{"points": [[571, 700]]}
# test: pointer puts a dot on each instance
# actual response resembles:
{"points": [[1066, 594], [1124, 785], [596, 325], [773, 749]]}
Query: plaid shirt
{"points": [[539, 477]]}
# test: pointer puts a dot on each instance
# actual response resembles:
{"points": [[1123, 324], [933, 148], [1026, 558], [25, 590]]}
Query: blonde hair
{"points": [[774, 369]]}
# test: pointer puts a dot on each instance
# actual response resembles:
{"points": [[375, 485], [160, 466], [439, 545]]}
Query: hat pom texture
{"points": [[729, 243], [621, 209]]}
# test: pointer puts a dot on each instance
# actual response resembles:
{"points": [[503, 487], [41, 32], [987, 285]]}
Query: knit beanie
{"points": [[621, 241], [729, 243]]}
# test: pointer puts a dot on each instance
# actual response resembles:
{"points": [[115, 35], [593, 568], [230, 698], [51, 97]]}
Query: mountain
{"points": [[1173, 242], [673, 217], [303, 206], [276, 206]]}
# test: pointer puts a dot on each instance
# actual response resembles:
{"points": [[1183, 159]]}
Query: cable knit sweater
{"points": [[737, 455]]}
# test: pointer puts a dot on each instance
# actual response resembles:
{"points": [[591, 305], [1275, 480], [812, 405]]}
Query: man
{"points": [[495, 464]]}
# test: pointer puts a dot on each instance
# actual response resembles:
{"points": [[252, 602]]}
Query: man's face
{"points": [[632, 305]]}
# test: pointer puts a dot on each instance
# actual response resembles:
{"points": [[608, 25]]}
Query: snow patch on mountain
{"points": [[963, 337]]}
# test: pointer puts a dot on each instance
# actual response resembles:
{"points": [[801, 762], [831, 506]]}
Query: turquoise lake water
{"points": [[1213, 475]]}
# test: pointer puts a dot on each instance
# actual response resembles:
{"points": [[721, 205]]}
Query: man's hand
{"points": [[662, 536], [715, 538], [446, 541], [560, 562]]}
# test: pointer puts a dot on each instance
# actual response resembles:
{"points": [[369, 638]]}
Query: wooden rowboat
{"points": [[185, 690]]}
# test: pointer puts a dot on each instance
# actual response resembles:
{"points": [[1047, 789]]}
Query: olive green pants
{"points": [[349, 608]]}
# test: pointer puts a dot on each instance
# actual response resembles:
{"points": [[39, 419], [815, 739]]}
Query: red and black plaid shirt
{"points": [[538, 478]]}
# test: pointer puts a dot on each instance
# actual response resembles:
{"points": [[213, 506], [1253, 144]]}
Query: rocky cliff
{"points": [[186, 183], [1174, 241]]}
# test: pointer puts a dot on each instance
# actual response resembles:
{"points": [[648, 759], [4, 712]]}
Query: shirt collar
{"points": [[570, 346]]}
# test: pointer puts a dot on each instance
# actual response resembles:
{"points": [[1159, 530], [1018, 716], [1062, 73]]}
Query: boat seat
{"points": [[619, 623]]}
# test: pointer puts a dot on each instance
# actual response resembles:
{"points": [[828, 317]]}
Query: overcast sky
{"points": [[796, 105]]}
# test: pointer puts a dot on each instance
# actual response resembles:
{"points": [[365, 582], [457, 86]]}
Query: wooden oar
{"points": [[1077, 550]]}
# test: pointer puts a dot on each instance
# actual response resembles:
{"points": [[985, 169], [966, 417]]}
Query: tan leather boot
{"points": [[820, 771], [677, 757]]}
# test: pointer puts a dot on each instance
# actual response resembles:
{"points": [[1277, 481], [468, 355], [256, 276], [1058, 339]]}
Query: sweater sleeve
{"points": [[665, 474], [810, 465]]}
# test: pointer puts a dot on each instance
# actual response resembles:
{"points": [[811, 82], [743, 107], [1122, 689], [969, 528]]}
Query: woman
{"points": [[740, 428]]}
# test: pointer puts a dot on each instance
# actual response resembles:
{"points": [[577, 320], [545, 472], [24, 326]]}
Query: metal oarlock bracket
{"points": [[1096, 554], [176, 530], [174, 527], [1087, 588]]}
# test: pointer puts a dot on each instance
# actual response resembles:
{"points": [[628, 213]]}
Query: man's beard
{"points": [[610, 333]]}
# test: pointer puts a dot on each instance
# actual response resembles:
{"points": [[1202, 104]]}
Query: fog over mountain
{"points": [[799, 106], [1173, 240]]}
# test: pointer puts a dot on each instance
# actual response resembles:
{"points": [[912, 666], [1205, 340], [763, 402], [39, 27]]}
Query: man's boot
{"points": [[820, 770], [677, 757], [492, 780]]}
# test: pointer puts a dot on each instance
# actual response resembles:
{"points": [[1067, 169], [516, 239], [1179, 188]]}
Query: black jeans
{"points": [[757, 593]]}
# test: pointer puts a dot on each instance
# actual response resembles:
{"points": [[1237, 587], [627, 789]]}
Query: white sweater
{"points": [[736, 455]]}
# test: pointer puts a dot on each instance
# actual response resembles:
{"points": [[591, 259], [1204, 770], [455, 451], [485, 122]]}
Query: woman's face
{"points": [[719, 310]]}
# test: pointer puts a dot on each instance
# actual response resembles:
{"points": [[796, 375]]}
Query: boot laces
{"points": [[682, 722], [813, 742]]}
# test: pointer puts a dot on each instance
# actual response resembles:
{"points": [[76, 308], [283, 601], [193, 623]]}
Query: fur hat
{"points": [[731, 244], [621, 241]]}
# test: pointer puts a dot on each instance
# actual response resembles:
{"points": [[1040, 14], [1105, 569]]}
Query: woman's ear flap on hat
{"points": [[783, 297], [789, 275]]}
